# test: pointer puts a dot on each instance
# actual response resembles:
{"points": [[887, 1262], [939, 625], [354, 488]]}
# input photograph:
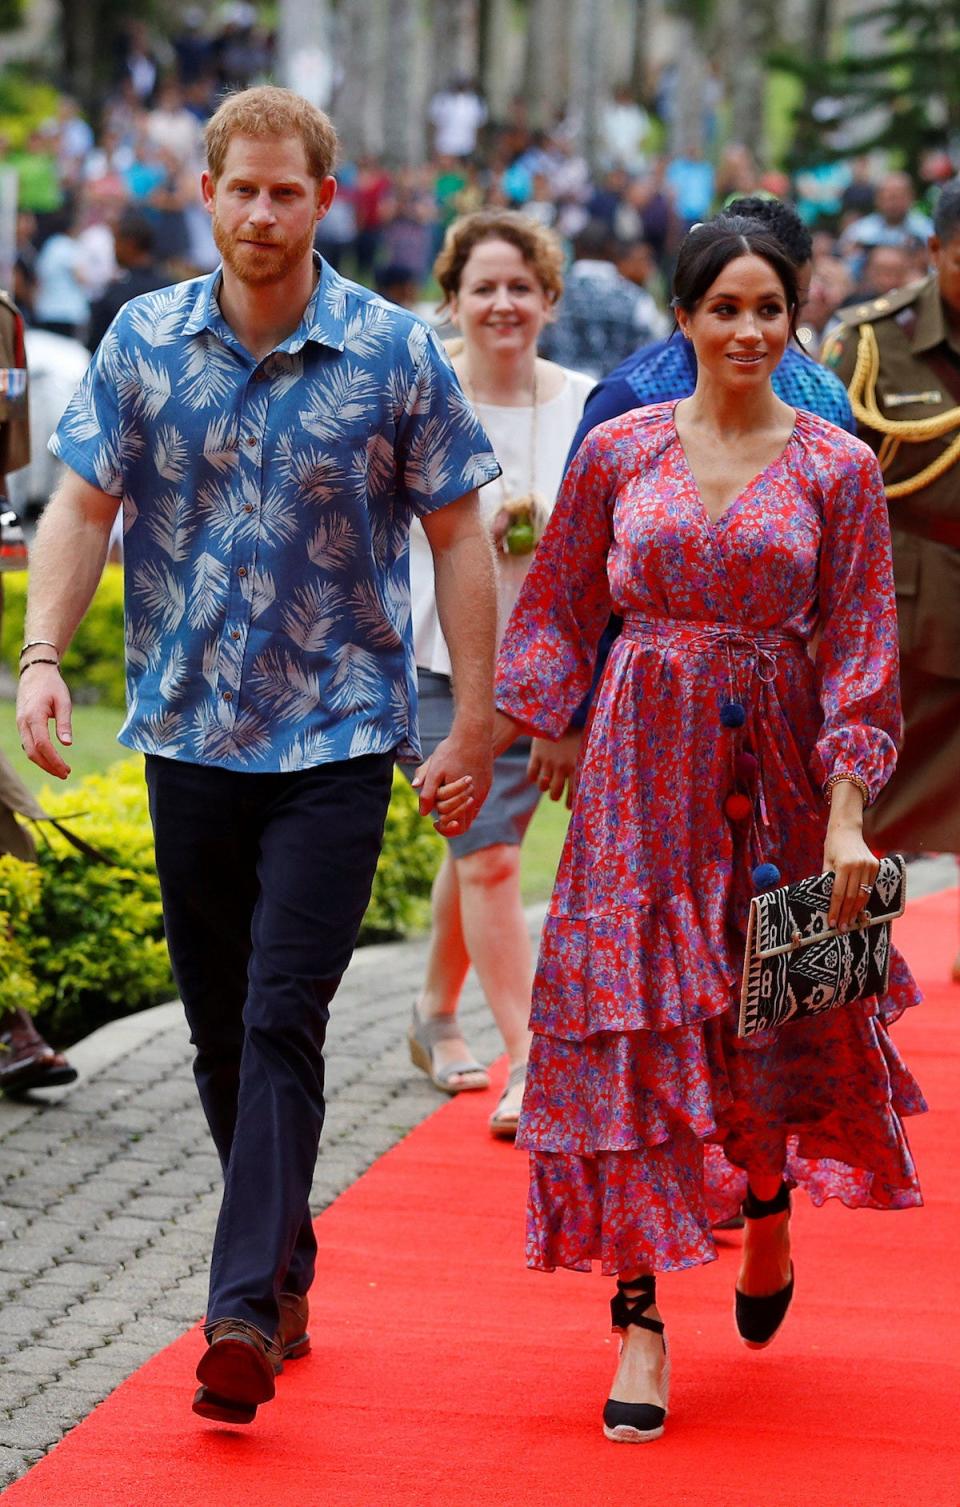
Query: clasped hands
{"points": [[455, 798]]}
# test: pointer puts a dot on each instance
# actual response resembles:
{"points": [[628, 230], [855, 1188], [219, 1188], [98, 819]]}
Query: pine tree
{"points": [[896, 79]]}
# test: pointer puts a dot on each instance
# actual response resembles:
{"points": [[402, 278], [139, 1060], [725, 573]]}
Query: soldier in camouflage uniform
{"points": [[26, 1060], [899, 357]]}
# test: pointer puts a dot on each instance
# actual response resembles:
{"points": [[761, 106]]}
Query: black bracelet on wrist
{"points": [[38, 661]]}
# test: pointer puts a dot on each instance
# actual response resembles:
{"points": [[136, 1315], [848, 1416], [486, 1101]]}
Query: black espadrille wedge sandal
{"points": [[637, 1422], [758, 1319]]}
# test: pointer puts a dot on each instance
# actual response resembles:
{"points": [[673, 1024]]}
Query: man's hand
{"points": [[42, 696], [553, 765], [456, 778]]}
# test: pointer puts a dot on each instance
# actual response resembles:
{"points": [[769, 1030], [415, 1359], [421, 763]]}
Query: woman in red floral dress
{"points": [[732, 533]]}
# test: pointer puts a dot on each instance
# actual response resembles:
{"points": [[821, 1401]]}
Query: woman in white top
{"points": [[501, 274]]}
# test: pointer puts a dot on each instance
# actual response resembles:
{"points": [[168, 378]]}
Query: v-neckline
{"points": [[711, 522]]}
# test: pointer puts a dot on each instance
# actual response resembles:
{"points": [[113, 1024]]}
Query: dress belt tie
{"points": [[759, 647], [761, 644]]}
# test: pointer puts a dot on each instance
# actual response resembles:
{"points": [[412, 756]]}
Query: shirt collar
{"points": [[324, 318]]}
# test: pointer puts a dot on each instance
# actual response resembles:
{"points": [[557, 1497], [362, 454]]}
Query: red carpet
{"points": [[445, 1373]]}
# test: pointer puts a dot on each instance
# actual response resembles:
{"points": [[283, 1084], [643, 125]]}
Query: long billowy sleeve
{"points": [[548, 653], [857, 660]]}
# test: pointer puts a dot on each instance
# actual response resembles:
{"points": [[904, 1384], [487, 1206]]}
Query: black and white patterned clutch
{"points": [[796, 966]]}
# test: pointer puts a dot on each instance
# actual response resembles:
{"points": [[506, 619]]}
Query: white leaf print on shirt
{"points": [[170, 453], [305, 751], [162, 733], [316, 475], [261, 593], [369, 330], [479, 470], [367, 738], [278, 519], [356, 680], [143, 643], [130, 513], [107, 469], [372, 616], [428, 463], [208, 374], [308, 618], [220, 444], [82, 423], [174, 674], [153, 390], [163, 593], [208, 590], [217, 736], [283, 685], [461, 411], [333, 545], [345, 397], [287, 371], [157, 320], [216, 503], [170, 523], [335, 298]]}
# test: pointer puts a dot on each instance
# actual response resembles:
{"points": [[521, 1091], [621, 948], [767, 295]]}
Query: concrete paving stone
{"points": [[13, 1464], [22, 1323], [30, 1362], [31, 1138], [126, 1355], [138, 1230], [70, 1272], [102, 1249], [35, 1426], [102, 1312], [51, 1299], [156, 1207], [180, 1242], [87, 1208], [26, 1193]]}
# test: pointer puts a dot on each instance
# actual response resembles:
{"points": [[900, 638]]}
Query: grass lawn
{"points": [[94, 747]]}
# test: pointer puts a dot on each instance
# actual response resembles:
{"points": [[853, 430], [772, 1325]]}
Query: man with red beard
{"points": [[271, 430]]}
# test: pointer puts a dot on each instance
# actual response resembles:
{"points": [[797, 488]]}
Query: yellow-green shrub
{"points": [[94, 947], [19, 897], [93, 664]]}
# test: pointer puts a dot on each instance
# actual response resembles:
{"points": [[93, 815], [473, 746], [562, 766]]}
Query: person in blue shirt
{"points": [[271, 430], [667, 370]]}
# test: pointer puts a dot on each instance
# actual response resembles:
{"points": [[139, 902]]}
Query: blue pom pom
{"points": [[732, 714], [766, 876]]}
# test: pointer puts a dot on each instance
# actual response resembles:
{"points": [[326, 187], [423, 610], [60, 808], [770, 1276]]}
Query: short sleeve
{"points": [[443, 449], [549, 651], [858, 656], [88, 438]]}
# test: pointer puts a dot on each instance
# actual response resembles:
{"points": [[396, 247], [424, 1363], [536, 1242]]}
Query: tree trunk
{"points": [[589, 84], [546, 70], [639, 77], [453, 41], [304, 52], [401, 39], [359, 103], [748, 40], [687, 134]]}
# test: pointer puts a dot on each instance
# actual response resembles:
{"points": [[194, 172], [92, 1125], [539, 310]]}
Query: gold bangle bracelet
{"points": [[849, 779]]}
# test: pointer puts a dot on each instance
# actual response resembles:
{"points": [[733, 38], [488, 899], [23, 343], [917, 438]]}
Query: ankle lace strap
{"points": [[630, 1302], [758, 1208]]}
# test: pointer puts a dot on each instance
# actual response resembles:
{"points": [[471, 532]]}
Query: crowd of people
{"points": [[698, 647], [110, 208]]}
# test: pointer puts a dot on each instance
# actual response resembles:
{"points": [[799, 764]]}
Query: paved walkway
{"points": [[109, 1189]]}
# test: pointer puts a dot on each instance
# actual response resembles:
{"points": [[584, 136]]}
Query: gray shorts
{"points": [[505, 814]]}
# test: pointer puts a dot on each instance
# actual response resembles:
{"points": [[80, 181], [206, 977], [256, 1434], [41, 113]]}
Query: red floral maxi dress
{"points": [[636, 1067]]}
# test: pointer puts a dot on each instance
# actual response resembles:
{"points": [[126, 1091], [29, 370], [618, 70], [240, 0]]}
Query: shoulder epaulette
{"points": [[880, 308]]}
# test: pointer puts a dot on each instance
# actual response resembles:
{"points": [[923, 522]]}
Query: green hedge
{"points": [[93, 665], [82, 943]]}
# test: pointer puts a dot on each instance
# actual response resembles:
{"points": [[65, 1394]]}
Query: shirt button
{"points": [[251, 439], [228, 695], [235, 633], [248, 507], [242, 571]]}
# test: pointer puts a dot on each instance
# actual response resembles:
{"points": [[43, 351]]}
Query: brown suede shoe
{"points": [[26, 1060], [236, 1372], [292, 1336]]}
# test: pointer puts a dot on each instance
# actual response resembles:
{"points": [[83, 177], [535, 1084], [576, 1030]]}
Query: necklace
{"points": [[520, 520]]}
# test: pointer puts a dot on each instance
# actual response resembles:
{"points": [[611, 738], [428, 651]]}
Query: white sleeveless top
{"points": [[509, 430]]}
